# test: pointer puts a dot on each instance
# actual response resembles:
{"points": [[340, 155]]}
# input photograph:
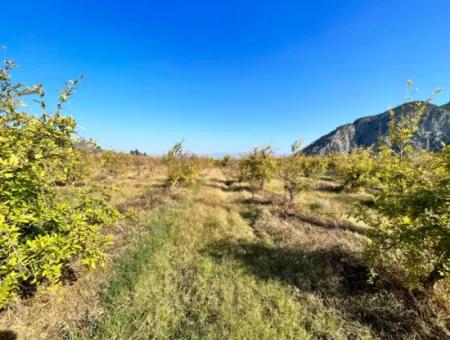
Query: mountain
{"points": [[434, 130]]}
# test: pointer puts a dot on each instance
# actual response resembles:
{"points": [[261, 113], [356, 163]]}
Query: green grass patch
{"points": [[173, 287]]}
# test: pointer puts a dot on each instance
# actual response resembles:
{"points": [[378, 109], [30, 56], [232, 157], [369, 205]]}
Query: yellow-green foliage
{"points": [[115, 163], [404, 126], [356, 169], [118, 163], [257, 167], [42, 228], [87, 162], [299, 172], [313, 166], [292, 176], [183, 168], [413, 202]]}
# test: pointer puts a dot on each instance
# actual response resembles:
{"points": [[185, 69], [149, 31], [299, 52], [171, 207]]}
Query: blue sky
{"points": [[227, 75]]}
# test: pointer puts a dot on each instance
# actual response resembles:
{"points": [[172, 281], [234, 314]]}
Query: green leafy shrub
{"points": [[412, 224], [291, 173], [313, 166], [86, 163], [299, 172], [115, 163], [42, 228], [257, 167], [183, 168], [292, 176], [414, 228], [356, 169]]}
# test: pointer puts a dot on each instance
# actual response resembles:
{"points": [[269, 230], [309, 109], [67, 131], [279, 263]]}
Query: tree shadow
{"points": [[8, 335], [216, 180], [256, 201], [69, 276], [215, 186], [339, 278], [227, 182], [230, 182], [328, 271], [229, 188], [250, 213], [326, 223], [329, 186]]}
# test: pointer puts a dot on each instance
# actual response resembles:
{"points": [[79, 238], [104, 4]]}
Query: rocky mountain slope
{"points": [[433, 131]]}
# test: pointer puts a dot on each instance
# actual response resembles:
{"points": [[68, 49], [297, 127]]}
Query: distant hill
{"points": [[433, 131]]}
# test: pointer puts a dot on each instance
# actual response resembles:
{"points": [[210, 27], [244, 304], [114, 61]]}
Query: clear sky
{"points": [[227, 75]]}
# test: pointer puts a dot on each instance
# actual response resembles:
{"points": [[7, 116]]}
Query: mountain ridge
{"points": [[434, 129]]}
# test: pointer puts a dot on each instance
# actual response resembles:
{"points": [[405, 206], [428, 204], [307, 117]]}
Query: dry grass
{"points": [[211, 262], [187, 288]]}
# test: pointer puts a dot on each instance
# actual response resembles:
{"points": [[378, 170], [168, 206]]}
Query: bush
{"points": [[42, 228], [87, 161], [257, 167], [292, 177], [183, 168], [115, 163], [357, 169], [412, 227], [299, 172], [313, 166]]}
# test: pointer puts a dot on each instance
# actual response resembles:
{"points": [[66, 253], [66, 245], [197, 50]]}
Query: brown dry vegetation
{"points": [[232, 266]]}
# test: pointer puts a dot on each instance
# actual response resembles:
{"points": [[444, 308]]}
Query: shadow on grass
{"points": [[216, 180], [326, 223], [256, 201], [227, 182], [326, 271], [228, 188], [330, 187], [250, 213], [7, 335], [254, 204], [338, 278]]}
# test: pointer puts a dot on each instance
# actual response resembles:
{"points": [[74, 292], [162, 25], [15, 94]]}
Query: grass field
{"points": [[213, 262]]}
